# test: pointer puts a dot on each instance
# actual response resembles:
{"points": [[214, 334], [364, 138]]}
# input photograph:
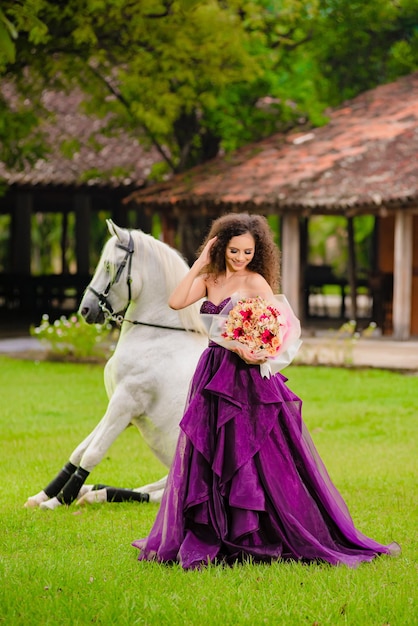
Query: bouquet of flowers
{"points": [[265, 327]]}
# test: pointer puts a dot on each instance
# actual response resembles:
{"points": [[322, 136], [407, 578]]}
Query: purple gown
{"points": [[246, 479]]}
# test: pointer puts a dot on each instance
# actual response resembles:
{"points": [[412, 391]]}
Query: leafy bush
{"points": [[73, 337]]}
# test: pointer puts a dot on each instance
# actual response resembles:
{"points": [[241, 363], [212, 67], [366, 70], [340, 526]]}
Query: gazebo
{"points": [[87, 171], [363, 161]]}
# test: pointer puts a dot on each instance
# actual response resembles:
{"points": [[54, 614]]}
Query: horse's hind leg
{"points": [[153, 487], [95, 494], [99, 494], [105, 493]]}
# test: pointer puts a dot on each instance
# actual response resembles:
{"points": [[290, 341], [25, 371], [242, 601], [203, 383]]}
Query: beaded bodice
{"points": [[213, 309]]}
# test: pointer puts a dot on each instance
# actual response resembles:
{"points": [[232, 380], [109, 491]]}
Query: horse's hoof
{"points": [[34, 501], [50, 505], [93, 497], [84, 489]]}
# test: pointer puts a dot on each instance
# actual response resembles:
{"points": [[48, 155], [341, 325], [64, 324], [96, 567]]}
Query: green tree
{"points": [[8, 34], [364, 44], [188, 76], [192, 77], [20, 140]]}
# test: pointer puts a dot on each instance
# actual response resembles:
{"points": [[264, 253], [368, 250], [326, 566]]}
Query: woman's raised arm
{"points": [[193, 286]]}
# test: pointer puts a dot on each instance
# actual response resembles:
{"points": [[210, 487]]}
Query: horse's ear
{"points": [[116, 230]]}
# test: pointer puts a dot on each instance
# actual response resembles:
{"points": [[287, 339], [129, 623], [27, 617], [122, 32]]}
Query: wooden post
{"points": [[352, 270], [142, 220], [169, 226], [402, 276], [64, 243], [82, 208], [21, 253], [290, 282], [303, 260], [120, 214], [21, 234]]}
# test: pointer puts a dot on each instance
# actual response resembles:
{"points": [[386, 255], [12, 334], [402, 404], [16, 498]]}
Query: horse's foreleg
{"points": [[100, 440], [69, 491], [53, 487]]}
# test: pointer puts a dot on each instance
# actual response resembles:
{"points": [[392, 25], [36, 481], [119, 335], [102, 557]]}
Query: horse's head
{"points": [[110, 290], [138, 270]]}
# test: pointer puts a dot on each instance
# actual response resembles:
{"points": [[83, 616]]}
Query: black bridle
{"points": [[103, 296]]}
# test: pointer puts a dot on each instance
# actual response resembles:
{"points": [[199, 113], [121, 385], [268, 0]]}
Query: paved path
{"points": [[381, 352], [19, 345]]}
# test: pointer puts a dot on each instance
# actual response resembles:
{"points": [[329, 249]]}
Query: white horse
{"points": [[148, 376]]}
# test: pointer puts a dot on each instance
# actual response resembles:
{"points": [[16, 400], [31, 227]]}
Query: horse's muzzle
{"points": [[92, 316]]}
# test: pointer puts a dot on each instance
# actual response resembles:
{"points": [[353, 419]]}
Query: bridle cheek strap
{"points": [[102, 297]]}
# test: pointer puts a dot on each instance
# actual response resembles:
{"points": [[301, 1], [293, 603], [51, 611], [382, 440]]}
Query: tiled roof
{"points": [[121, 158], [364, 159]]}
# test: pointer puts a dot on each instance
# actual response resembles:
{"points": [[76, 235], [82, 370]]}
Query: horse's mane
{"points": [[172, 267]]}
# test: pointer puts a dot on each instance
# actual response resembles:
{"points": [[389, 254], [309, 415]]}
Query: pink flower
{"points": [[247, 315], [238, 332], [267, 336]]}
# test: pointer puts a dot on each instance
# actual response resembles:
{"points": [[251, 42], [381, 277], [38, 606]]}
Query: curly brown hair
{"points": [[266, 258]]}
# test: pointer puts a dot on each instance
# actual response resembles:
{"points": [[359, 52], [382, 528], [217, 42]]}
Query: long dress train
{"points": [[246, 479]]}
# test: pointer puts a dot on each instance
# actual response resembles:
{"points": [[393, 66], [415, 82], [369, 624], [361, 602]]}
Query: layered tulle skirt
{"points": [[247, 481]]}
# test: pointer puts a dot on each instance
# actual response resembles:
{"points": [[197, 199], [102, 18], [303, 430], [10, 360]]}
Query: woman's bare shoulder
{"points": [[258, 283]]}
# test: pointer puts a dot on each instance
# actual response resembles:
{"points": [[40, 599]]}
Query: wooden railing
{"points": [[32, 296]]}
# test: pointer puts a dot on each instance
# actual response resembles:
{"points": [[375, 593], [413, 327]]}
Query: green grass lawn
{"points": [[76, 566]]}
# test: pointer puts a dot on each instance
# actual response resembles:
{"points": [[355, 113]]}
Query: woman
{"points": [[246, 480]]}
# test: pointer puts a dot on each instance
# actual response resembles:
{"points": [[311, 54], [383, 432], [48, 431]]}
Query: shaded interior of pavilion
{"points": [[25, 295]]}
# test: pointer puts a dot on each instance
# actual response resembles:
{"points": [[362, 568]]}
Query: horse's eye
{"points": [[107, 266]]}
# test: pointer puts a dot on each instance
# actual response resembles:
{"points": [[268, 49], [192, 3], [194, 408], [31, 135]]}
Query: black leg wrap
{"points": [[59, 481], [69, 492], [125, 495], [98, 486]]}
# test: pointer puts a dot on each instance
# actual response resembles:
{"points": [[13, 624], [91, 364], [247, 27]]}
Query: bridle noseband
{"points": [[102, 297]]}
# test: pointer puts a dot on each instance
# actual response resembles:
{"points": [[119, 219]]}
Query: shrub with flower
{"points": [[255, 324], [73, 337]]}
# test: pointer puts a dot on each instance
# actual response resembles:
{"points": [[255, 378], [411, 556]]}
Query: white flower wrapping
{"points": [[265, 326]]}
